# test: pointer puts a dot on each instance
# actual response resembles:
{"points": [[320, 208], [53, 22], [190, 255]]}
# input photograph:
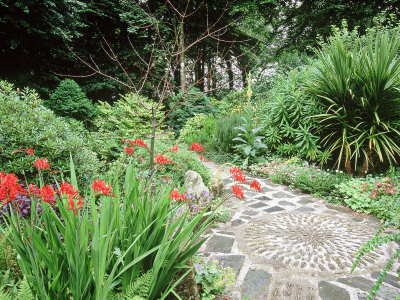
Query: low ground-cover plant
{"points": [[301, 175], [26, 124], [102, 244], [214, 280], [376, 195]]}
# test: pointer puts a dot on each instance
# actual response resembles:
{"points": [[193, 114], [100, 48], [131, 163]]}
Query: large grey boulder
{"points": [[196, 190]]}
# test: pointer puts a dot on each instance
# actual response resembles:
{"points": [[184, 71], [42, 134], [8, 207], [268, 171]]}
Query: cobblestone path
{"points": [[283, 244]]}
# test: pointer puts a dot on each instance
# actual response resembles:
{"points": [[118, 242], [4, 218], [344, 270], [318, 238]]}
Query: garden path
{"points": [[284, 244]]}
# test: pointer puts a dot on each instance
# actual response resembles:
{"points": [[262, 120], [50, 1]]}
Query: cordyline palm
{"points": [[359, 90]]}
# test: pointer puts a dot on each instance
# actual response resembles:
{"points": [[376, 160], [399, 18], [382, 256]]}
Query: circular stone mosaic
{"points": [[311, 242]]}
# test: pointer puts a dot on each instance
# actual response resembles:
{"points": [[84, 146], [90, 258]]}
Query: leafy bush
{"points": [[201, 128], [226, 131], [357, 85], [371, 195], [231, 104], [25, 123], [105, 245], [68, 100], [285, 115], [126, 117], [194, 102]]}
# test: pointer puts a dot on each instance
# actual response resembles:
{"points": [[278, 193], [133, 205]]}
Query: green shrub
{"points": [[68, 100], [25, 123], [201, 129], [226, 132], [357, 85], [194, 102], [232, 104], [126, 117], [285, 115]]}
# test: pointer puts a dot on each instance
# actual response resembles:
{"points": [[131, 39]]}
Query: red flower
{"points": [[256, 185], [196, 147], [130, 151], [162, 160], [201, 157], [239, 177], [42, 164], [238, 191], [9, 188], [174, 149], [30, 151], [235, 170], [33, 189], [136, 142], [68, 190], [47, 194], [99, 186], [177, 197]]}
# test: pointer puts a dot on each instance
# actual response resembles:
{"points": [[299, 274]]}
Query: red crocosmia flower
{"points": [[239, 177], [130, 151], [47, 194], [201, 157], [196, 147], [99, 186], [42, 164], [174, 149], [137, 142], [33, 189], [256, 185], [79, 204], [162, 160], [175, 195], [68, 190], [238, 191], [235, 170], [9, 188], [30, 151]]}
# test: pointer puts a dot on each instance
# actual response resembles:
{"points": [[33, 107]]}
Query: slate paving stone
{"points": [[225, 232], [220, 243], [273, 209], [329, 291], [255, 282], [374, 220], [357, 220], [338, 208], [266, 189], [365, 285], [251, 194], [237, 222], [305, 209], [250, 212], [286, 203], [389, 279], [264, 198], [362, 296], [233, 261], [227, 181], [246, 217], [306, 200], [281, 195], [257, 205]]}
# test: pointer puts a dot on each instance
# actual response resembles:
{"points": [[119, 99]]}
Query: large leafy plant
{"points": [[104, 247], [358, 88]]}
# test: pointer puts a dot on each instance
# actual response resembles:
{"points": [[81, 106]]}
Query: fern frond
{"points": [[24, 291]]}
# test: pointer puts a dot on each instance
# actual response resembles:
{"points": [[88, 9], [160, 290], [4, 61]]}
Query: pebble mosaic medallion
{"points": [[311, 242]]}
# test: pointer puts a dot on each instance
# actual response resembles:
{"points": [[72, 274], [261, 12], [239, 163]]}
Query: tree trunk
{"points": [[182, 59]]}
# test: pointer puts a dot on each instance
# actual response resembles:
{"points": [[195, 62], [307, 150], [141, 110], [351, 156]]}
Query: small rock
{"points": [[196, 188], [237, 222], [305, 209]]}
